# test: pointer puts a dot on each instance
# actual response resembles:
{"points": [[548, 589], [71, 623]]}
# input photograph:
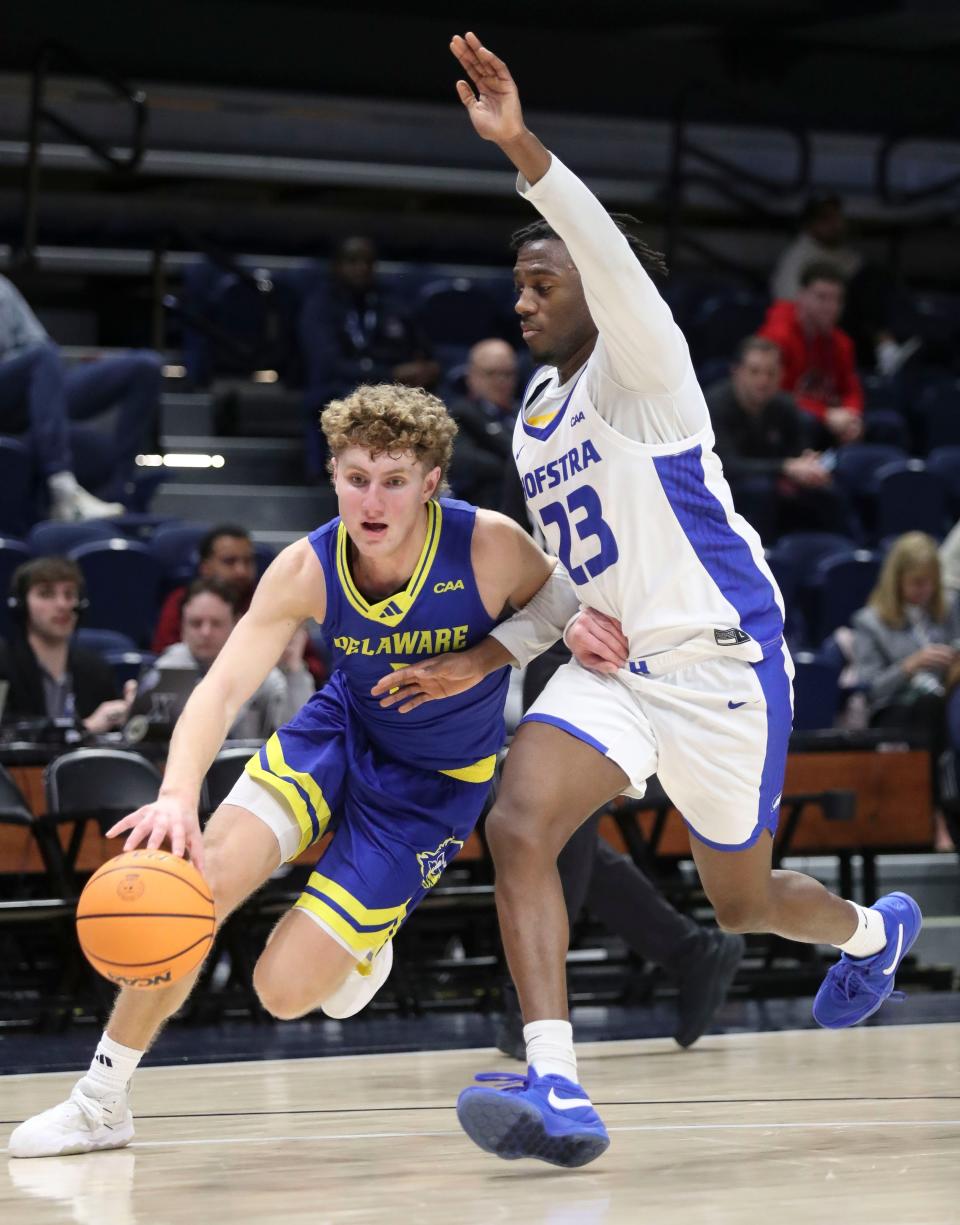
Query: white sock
{"points": [[870, 936], [110, 1069], [550, 1048]]}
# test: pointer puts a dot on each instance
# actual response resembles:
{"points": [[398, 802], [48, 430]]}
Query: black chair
{"points": [[223, 773], [15, 811], [100, 785]]}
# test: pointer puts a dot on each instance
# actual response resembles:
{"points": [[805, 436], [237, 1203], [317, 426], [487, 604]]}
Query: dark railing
{"points": [[692, 164], [50, 55], [943, 189]]}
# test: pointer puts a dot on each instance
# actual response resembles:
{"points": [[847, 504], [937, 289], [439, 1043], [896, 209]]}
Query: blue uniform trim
{"points": [[569, 729], [360, 927], [723, 553], [544, 431]]}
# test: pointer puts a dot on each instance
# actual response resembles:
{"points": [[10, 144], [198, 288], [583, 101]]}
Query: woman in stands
{"points": [[907, 652]]}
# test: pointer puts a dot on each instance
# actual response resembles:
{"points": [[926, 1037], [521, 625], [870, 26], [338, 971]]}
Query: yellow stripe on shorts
{"points": [[348, 915], [479, 772], [284, 779]]}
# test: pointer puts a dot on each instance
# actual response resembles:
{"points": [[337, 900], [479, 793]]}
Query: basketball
{"points": [[145, 919]]}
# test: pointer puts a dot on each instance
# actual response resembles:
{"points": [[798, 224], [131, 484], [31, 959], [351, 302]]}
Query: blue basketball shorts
{"points": [[395, 827]]}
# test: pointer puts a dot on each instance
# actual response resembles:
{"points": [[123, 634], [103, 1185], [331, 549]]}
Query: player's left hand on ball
{"points": [[408, 688], [598, 642]]}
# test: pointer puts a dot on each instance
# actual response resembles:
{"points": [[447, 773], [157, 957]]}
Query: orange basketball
{"points": [[145, 919]]}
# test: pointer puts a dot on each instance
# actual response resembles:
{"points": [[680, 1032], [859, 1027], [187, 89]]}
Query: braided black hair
{"points": [[653, 261]]}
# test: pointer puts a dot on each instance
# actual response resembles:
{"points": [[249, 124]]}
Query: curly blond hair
{"points": [[388, 418]]}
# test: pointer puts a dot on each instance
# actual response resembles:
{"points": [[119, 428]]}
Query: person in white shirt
{"points": [[208, 615], [821, 240], [680, 664]]}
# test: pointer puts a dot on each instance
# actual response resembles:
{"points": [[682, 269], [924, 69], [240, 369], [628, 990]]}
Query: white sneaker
{"points": [[78, 1125], [359, 989], [80, 504]]}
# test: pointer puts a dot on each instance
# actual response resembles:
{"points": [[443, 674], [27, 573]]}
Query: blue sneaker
{"points": [[856, 986], [547, 1117]]}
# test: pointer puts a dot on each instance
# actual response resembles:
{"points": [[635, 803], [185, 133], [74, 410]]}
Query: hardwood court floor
{"points": [[856, 1127]]}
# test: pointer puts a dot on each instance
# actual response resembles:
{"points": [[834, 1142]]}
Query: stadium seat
{"points": [[226, 768], [175, 549], [264, 556], [800, 553], [723, 320], [16, 486], [122, 580], [816, 692], [52, 539], [945, 463], [13, 553], [100, 785], [104, 641], [938, 414], [859, 462], [841, 585], [910, 498], [455, 313], [127, 665]]}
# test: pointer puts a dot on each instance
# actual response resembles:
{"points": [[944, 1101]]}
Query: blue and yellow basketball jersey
{"points": [[439, 610]]}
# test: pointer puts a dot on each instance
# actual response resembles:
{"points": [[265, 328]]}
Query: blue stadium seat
{"points": [[455, 312], [910, 498], [264, 556], [938, 412], [859, 462], [802, 551], [788, 580], [13, 553], [122, 579], [104, 641], [127, 665], [52, 539], [945, 463], [842, 585], [723, 320], [816, 692], [16, 486], [175, 548]]}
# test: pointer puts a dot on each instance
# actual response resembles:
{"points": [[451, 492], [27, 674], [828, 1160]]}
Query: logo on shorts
{"points": [[731, 637], [432, 863]]}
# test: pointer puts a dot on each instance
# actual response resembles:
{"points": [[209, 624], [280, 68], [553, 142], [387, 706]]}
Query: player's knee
{"points": [[741, 914], [281, 997], [512, 834]]}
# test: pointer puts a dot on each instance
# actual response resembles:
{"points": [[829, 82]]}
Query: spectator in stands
{"points": [[778, 483], [820, 241], [351, 333], [485, 420], [209, 611], [50, 677], [226, 554], [40, 396], [907, 647], [819, 368]]}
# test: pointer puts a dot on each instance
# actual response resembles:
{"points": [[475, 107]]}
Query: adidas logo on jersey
{"points": [[453, 585], [392, 609]]}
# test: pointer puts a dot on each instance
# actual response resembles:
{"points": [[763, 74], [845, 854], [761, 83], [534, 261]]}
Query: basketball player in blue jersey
{"points": [[401, 574], [615, 450]]}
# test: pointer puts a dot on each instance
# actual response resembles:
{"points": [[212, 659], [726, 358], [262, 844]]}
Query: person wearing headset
{"points": [[49, 675]]}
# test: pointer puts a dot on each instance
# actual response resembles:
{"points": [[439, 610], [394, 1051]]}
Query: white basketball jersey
{"points": [[618, 466]]}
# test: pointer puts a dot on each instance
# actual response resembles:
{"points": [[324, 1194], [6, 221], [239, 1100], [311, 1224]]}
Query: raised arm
{"points": [[646, 349], [291, 590]]}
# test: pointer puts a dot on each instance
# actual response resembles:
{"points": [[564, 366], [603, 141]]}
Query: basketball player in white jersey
{"points": [[615, 450]]}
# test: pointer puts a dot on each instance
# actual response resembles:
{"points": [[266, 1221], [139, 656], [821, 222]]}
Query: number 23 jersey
{"points": [[647, 530]]}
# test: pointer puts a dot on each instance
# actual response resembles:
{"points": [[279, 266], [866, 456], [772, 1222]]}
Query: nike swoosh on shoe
{"points": [[896, 957], [568, 1103]]}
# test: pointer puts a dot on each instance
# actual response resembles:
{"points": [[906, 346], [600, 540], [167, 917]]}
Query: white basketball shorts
{"points": [[714, 732]]}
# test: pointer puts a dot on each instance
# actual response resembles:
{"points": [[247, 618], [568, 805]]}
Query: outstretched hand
{"points": [[598, 642], [166, 819], [494, 109], [442, 677]]}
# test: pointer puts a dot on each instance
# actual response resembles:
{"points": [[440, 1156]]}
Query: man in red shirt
{"points": [[819, 368]]}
